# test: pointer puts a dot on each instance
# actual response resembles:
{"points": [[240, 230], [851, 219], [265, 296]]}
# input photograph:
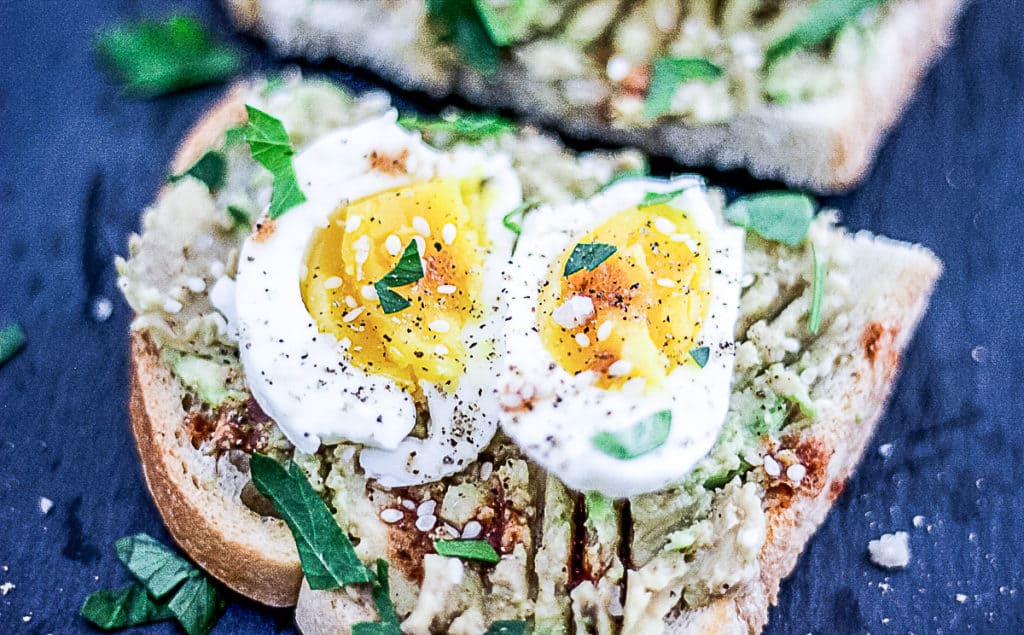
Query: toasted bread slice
{"points": [[826, 144], [200, 495]]}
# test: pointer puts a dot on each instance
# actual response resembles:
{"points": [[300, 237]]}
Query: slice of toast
{"points": [[878, 290], [825, 143]]}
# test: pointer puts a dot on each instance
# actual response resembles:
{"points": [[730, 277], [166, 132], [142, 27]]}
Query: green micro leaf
{"points": [[408, 270], [211, 168], [721, 479], [376, 628], [629, 173], [467, 550], [507, 627], [460, 24], [770, 419], [387, 618], [234, 136], [270, 146], [659, 198], [817, 292], [124, 607], [155, 566], [152, 58], [701, 354], [241, 216], [325, 551], [587, 256], [390, 302], [464, 126], [12, 339], [669, 74], [824, 19], [197, 605], [645, 436], [514, 219], [781, 216]]}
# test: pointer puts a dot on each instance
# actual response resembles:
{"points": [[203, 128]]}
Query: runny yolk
{"points": [[364, 241], [650, 299]]}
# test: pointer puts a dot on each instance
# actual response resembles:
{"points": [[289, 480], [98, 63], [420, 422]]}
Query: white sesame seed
{"points": [[196, 284], [332, 283], [771, 466], [604, 330], [620, 368], [362, 247], [441, 350], [582, 339], [350, 302], [421, 225], [685, 238], [796, 472], [439, 326], [408, 504], [426, 508], [664, 225], [391, 516], [352, 222], [666, 282], [453, 532], [485, 470], [426, 523], [471, 530], [353, 314], [393, 244], [172, 306], [448, 233], [369, 292], [421, 245], [618, 67], [447, 289]]}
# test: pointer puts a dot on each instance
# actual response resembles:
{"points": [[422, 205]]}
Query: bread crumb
{"points": [[6, 588], [918, 521], [45, 505], [890, 551], [885, 450], [961, 598]]}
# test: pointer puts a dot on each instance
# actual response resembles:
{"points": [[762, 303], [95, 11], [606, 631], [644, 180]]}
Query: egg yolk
{"points": [[637, 313], [364, 241]]}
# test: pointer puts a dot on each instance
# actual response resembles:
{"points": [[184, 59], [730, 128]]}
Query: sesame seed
{"points": [[421, 245], [618, 67], [620, 368], [420, 225], [666, 282], [471, 530], [448, 233], [353, 314], [453, 532], [352, 222], [426, 508], [664, 225], [369, 292], [196, 285], [441, 350], [485, 470], [393, 244], [447, 289], [332, 283], [796, 472], [685, 238], [582, 339], [439, 326], [391, 516], [771, 466], [604, 330], [172, 306], [426, 523], [408, 504]]}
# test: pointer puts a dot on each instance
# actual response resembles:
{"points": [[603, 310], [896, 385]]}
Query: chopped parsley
{"points": [[587, 256], [514, 219], [659, 198], [462, 25], [823, 19], [270, 146], [408, 270], [781, 216], [152, 58], [211, 169], [12, 339], [701, 354], [462, 126], [241, 216], [467, 550], [643, 437], [817, 292], [121, 608], [629, 173], [669, 74]]}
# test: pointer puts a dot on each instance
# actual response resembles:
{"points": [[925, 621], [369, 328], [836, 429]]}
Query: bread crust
{"points": [[827, 146]]}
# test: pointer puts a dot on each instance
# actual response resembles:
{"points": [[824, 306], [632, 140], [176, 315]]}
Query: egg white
{"points": [[565, 411], [304, 379]]}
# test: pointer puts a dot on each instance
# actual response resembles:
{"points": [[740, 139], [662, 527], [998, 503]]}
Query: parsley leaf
{"points": [[197, 605], [460, 23], [645, 436], [234, 136], [817, 292], [328, 558], [513, 220], [155, 566], [120, 608], [701, 354], [659, 198], [721, 479], [153, 58], [211, 168], [507, 627], [464, 126], [387, 618], [408, 270], [467, 550], [270, 146], [12, 339], [781, 216], [390, 302], [669, 73], [824, 19], [587, 256], [241, 216]]}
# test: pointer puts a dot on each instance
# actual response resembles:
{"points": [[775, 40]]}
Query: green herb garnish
{"points": [[270, 146], [669, 73], [587, 256], [12, 339], [770, 419], [629, 173], [211, 169], [197, 604], [780, 216], [234, 136], [326, 553], [241, 216], [722, 479], [507, 23], [514, 219], [701, 354], [467, 550], [507, 627], [155, 566], [408, 270], [645, 436], [817, 293], [387, 618], [120, 608], [464, 126], [461, 24], [154, 58], [659, 198], [824, 19]]}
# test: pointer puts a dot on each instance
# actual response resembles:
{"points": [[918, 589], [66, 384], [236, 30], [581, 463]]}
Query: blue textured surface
{"points": [[78, 163]]}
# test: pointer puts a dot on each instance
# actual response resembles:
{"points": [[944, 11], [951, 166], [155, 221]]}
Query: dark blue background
{"points": [[78, 163]]}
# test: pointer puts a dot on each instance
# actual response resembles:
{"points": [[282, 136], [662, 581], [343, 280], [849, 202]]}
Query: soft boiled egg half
{"points": [[618, 350], [368, 313]]}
